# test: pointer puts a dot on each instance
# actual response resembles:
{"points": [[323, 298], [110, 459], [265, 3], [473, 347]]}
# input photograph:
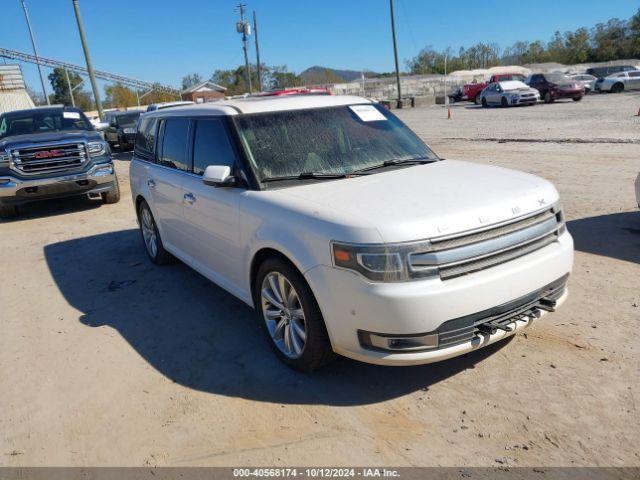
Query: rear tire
{"points": [[151, 236], [476, 100], [548, 98], [578, 98], [290, 317], [113, 195], [484, 103], [8, 211]]}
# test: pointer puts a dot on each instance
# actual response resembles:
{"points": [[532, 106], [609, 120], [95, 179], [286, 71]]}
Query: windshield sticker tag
{"points": [[74, 115], [367, 113]]}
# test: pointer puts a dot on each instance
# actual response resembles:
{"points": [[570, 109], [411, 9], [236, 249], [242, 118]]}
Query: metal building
{"points": [[13, 91]]}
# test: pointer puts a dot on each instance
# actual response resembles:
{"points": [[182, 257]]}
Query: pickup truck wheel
{"points": [[548, 98], [151, 236], [291, 317], [476, 100], [484, 103], [113, 195], [8, 211]]}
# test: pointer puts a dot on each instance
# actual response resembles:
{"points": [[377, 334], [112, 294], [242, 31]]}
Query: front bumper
{"points": [[568, 93], [99, 178], [351, 305]]}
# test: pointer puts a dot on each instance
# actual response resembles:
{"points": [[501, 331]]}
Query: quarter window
{"points": [[174, 144], [146, 139], [211, 146]]}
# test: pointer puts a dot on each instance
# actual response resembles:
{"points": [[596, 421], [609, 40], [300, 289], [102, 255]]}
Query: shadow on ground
{"points": [[53, 207], [616, 235], [199, 336]]}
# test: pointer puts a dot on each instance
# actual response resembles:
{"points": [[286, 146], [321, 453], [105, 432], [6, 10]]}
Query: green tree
{"points": [[119, 96], [61, 94], [190, 80]]}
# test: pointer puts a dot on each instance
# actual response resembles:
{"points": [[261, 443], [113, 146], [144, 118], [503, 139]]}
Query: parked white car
{"points": [[509, 93], [619, 82], [345, 231], [586, 80]]}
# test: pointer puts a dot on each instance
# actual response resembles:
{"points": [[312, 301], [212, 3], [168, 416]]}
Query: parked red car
{"points": [[553, 86], [471, 91]]}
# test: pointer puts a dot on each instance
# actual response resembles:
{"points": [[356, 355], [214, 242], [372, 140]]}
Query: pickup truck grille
{"points": [[466, 253], [49, 158]]}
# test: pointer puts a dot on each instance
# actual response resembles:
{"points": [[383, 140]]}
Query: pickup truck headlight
{"points": [[381, 262], [97, 149]]}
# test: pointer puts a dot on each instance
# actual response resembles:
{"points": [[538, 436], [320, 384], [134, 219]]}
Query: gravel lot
{"points": [[106, 359]]}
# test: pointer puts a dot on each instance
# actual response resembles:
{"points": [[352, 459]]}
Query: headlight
{"points": [[129, 130], [97, 148], [383, 262]]}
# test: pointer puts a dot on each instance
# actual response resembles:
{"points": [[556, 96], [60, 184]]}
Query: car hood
{"points": [[49, 137], [427, 201]]}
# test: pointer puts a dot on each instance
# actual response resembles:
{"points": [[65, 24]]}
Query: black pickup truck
{"points": [[52, 152]]}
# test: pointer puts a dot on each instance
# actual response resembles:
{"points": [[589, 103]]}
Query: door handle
{"points": [[151, 183], [189, 198]]}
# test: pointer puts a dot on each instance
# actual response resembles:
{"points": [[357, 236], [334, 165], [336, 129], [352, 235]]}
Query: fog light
{"points": [[398, 343]]}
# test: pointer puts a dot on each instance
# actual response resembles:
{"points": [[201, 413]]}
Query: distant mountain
{"points": [[317, 74]]}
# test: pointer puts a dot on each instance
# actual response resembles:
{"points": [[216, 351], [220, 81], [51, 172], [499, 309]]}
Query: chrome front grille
{"points": [[458, 255], [51, 158]]}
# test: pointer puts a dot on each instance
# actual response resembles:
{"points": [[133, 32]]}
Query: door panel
{"points": [[213, 231], [165, 186]]}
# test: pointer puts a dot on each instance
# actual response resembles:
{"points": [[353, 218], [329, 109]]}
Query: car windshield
{"points": [[334, 140], [127, 119], [557, 77], [44, 121]]}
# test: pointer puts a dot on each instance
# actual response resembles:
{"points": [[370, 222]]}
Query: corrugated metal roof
{"points": [[15, 100]]}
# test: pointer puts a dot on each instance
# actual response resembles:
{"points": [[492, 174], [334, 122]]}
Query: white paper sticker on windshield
{"points": [[367, 113], [74, 115]]}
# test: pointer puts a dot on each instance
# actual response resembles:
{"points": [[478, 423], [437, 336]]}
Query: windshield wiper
{"points": [[391, 163], [312, 176]]}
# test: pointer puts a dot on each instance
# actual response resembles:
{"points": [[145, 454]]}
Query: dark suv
{"points": [[122, 129], [553, 86], [52, 152]]}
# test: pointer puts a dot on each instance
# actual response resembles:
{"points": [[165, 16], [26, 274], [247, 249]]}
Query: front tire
{"points": [[578, 98], [290, 316], [151, 236], [548, 98], [476, 100], [617, 88], [504, 102], [8, 211], [484, 103], [113, 195]]}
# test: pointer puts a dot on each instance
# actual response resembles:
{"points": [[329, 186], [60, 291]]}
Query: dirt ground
{"points": [[107, 360]]}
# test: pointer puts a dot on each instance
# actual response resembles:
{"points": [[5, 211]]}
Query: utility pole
{"points": [[83, 40], [245, 29], [66, 74], [255, 32], [35, 51], [395, 52]]}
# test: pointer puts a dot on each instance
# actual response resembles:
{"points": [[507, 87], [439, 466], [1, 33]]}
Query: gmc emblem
{"points": [[49, 154]]}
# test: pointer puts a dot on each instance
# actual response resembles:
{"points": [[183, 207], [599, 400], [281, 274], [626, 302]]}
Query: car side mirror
{"points": [[101, 126], [218, 176]]}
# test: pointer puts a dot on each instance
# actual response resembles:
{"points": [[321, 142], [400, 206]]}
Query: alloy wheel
{"points": [[283, 314], [149, 232]]}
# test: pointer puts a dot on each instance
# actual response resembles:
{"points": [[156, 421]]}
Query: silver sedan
{"points": [[619, 82], [586, 80], [509, 93]]}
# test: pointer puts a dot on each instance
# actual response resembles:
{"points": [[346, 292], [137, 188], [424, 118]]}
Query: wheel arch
{"points": [[259, 257]]}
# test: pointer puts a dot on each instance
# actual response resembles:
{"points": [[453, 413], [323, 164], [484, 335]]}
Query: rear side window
{"points": [[634, 74], [211, 146], [175, 132], [146, 139]]}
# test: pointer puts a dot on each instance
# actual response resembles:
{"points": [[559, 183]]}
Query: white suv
{"points": [[345, 231]]}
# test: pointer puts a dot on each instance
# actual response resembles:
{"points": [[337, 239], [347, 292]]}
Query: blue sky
{"points": [[162, 40]]}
